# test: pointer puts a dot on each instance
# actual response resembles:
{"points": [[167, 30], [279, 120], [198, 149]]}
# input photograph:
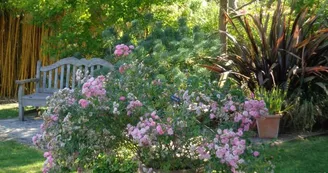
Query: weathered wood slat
{"points": [[92, 70], [44, 80], [68, 70], [98, 67], [56, 78], [62, 68], [38, 75], [20, 82], [86, 71], [50, 79], [79, 82], [77, 62], [74, 77]]}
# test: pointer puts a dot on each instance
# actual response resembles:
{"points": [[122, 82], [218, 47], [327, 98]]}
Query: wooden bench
{"points": [[59, 75]]}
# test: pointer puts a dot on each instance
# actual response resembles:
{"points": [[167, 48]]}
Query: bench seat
{"points": [[36, 99]]}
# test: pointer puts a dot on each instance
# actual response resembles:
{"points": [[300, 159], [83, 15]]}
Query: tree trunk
{"points": [[223, 25]]}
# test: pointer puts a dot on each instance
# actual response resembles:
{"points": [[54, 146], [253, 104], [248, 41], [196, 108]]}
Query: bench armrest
{"points": [[20, 82]]}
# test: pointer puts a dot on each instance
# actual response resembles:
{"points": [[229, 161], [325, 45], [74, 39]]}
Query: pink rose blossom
{"points": [[84, 103], [122, 98], [123, 50], [46, 154], [54, 117], [256, 153], [159, 130], [233, 108]]}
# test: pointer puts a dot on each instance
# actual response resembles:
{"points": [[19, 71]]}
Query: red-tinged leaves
{"points": [[214, 68], [290, 50]]}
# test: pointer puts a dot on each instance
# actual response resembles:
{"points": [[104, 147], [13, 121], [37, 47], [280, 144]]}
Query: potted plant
{"points": [[268, 125]]}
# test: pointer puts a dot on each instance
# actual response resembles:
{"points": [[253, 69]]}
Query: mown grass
{"points": [[10, 110], [302, 156], [19, 158]]}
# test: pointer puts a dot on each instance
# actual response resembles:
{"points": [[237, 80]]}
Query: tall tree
{"points": [[223, 25]]}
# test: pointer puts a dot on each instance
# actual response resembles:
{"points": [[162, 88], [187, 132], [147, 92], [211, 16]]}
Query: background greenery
{"points": [[178, 36]]}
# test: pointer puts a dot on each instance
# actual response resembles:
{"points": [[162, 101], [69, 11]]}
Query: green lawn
{"points": [[10, 110], [303, 156], [18, 158]]}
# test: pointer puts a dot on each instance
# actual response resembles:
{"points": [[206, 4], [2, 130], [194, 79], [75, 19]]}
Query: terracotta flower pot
{"points": [[268, 126]]}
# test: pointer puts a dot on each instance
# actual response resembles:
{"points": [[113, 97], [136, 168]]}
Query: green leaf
{"points": [[308, 79], [323, 86]]}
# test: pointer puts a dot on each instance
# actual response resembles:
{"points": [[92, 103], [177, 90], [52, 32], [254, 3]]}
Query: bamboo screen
{"points": [[20, 49]]}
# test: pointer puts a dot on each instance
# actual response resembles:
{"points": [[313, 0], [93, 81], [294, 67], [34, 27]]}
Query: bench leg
{"points": [[37, 108], [21, 112], [20, 106]]}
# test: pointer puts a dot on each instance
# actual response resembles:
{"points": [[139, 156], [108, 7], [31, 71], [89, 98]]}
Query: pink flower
{"points": [[123, 50], [212, 116], [84, 103], [54, 117], [256, 153], [45, 170], [170, 131], [159, 130], [36, 138], [122, 98], [46, 154], [233, 108], [42, 127]]}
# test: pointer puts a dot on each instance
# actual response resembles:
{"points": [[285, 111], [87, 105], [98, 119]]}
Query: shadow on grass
{"points": [[17, 158]]}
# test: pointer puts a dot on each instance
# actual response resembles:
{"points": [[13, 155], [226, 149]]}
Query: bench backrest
{"points": [[62, 74]]}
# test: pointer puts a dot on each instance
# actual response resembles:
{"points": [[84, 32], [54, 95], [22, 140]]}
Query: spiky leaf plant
{"points": [[280, 50]]}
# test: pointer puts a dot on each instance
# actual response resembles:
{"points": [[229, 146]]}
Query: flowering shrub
{"points": [[165, 126]]}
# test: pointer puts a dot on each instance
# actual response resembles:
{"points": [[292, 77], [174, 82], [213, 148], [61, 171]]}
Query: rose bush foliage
{"points": [[164, 125]]}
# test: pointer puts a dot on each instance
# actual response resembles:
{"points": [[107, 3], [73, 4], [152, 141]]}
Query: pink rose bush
{"points": [[163, 125]]}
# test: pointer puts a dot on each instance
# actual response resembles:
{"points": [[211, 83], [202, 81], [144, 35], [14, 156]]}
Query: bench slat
{"points": [[62, 68], [79, 82], [56, 78], [77, 62], [67, 75], [92, 70], [44, 78], [86, 71], [38, 76], [74, 77], [50, 79]]}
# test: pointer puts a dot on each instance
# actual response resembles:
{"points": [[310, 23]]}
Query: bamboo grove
{"points": [[20, 49]]}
